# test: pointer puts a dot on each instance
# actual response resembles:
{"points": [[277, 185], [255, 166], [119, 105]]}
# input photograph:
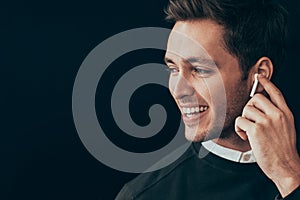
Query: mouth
{"points": [[191, 114]]}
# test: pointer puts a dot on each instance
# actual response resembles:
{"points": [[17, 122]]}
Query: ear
{"points": [[263, 66]]}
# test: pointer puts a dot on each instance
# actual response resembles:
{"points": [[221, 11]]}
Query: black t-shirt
{"points": [[208, 178]]}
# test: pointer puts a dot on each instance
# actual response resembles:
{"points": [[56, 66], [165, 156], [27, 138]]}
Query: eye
{"points": [[200, 71], [172, 70]]}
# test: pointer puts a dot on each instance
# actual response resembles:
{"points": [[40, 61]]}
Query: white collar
{"points": [[229, 154]]}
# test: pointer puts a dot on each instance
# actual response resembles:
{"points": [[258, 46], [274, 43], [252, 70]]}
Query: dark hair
{"points": [[252, 28]]}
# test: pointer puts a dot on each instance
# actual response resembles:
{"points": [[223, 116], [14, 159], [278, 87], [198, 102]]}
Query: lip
{"points": [[195, 119]]}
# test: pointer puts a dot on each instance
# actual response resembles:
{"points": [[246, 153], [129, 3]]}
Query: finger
{"points": [[274, 93], [242, 126], [262, 103], [253, 114]]}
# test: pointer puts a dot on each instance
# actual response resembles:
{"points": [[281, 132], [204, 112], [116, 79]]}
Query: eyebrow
{"points": [[168, 60], [199, 60]]}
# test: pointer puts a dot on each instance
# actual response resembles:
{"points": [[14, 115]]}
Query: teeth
{"points": [[189, 115], [192, 110], [188, 110]]}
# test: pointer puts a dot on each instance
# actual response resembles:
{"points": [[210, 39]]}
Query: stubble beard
{"points": [[218, 127]]}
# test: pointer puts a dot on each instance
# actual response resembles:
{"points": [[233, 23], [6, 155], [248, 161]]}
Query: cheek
{"points": [[212, 90], [202, 88], [172, 84], [238, 96]]}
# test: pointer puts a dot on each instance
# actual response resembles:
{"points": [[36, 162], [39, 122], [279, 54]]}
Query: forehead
{"points": [[197, 38]]}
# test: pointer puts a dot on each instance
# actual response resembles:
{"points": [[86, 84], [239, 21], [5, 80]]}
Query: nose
{"points": [[181, 87]]}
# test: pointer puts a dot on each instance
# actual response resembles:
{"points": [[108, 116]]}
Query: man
{"points": [[214, 50]]}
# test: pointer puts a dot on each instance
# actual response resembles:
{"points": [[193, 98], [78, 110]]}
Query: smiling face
{"points": [[205, 80]]}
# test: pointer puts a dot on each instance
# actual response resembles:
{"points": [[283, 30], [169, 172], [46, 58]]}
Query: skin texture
{"points": [[268, 124], [231, 118], [222, 89]]}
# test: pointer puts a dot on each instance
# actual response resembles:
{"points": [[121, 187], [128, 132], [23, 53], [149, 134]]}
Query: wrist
{"points": [[288, 180], [287, 185]]}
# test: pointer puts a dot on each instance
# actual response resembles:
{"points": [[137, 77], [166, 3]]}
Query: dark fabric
{"points": [[209, 178]]}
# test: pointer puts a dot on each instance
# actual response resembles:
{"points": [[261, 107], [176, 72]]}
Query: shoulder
{"points": [[149, 180]]}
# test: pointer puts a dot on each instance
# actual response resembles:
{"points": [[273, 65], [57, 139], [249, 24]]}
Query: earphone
{"points": [[254, 87]]}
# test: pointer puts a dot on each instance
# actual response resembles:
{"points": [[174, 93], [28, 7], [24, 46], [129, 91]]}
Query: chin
{"points": [[193, 134]]}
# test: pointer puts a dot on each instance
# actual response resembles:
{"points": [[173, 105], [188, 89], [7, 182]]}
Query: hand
{"points": [[268, 124]]}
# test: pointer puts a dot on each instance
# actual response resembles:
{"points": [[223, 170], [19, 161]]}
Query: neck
{"points": [[234, 142]]}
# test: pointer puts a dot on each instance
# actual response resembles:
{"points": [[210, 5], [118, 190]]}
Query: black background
{"points": [[43, 44]]}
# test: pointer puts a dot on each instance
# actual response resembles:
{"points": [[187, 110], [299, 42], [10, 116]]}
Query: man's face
{"points": [[205, 80]]}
